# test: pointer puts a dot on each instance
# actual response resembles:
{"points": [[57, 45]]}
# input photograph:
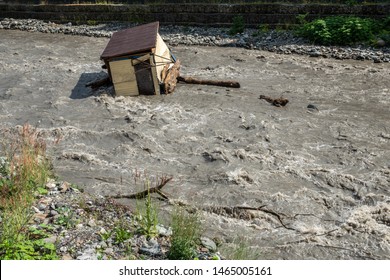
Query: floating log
{"points": [[191, 80], [99, 83]]}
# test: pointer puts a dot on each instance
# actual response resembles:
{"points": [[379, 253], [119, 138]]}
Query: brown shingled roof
{"points": [[132, 40]]}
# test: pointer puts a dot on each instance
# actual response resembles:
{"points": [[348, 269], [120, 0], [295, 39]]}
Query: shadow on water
{"points": [[81, 91]]}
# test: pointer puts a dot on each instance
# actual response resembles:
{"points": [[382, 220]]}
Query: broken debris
{"points": [[139, 62], [135, 58], [278, 102]]}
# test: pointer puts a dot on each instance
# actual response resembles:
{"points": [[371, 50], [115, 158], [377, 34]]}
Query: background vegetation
{"points": [[23, 174], [339, 30]]}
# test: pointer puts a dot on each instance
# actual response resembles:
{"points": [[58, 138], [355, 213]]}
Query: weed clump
{"points": [[185, 235], [23, 173]]}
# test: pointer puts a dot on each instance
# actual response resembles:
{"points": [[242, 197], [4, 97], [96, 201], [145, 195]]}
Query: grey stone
{"points": [[315, 54], [152, 251], [79, 226], [380, 43], [91, 223], [163, 231], [53, 213], [208, 243], [35, 209], [103, 245], [51, 239], [63, 249], [42, 206], [151, 248], [88, 254], [50, 185], [109, 251]]}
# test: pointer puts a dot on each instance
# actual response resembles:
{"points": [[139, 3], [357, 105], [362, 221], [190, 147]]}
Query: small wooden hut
{"points": [[135, 59]]}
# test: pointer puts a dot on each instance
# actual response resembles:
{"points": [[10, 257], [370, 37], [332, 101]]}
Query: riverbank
{"points": [[277, 41]]}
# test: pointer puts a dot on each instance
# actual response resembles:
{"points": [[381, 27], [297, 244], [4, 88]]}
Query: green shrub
{"points": [[339, 30], [147, 214], [27, 249], [238, 25], [121, 234], [185, 235]]}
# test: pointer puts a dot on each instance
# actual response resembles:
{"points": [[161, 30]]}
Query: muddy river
{"points": [[310, 180]]}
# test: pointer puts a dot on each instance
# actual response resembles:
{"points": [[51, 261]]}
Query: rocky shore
{"points": [[86, 227], [278, 41]]}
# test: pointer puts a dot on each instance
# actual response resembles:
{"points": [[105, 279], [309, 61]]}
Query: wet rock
{"points": [[315, 53], [312, 107]]}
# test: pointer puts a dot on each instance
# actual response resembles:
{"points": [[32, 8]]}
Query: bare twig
{"points": [[279, 218], [145, 193]]}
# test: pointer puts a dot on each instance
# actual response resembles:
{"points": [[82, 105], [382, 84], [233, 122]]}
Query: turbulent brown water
{"points": [[320, 178]]}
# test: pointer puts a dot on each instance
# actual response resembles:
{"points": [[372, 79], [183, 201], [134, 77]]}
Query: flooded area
{"points": [[310, 180]]}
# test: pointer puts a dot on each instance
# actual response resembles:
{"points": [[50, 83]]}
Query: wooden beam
{"points": [[99, 83], [191, 80]]}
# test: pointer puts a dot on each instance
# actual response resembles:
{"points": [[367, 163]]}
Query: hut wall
{"points": [[162, 56], [123, 77]]}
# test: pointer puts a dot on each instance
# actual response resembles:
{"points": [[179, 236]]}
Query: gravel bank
{"points": [[86, 227], [281, 42]]}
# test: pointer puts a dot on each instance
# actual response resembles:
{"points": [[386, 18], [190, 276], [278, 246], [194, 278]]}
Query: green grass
{"points": [[66, 218], [121, 233], [147, 214], [240, 250], [186, 232], [23, 173]]}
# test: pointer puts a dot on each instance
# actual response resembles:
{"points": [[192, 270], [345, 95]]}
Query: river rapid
{"points": [[306, 181]]}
